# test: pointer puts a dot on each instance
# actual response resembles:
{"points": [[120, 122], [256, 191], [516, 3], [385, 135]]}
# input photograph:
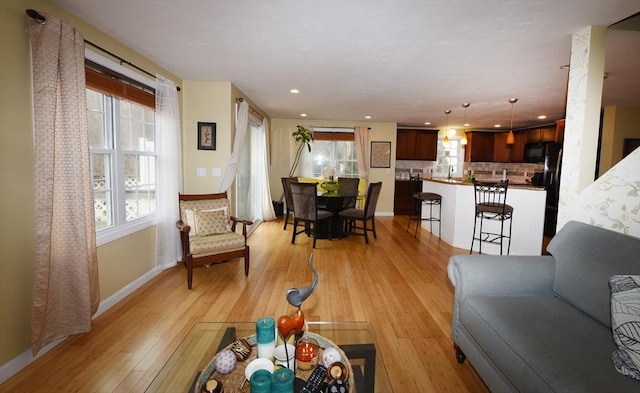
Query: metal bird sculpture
{"points": [[296, 296]]}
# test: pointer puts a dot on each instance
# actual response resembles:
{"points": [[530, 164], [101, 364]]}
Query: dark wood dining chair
{"points": [[366, 215], [349, 186], [305, 207], [288, 200]]}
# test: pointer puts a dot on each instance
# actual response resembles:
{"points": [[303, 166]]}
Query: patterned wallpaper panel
{"points": [[613, 201]]}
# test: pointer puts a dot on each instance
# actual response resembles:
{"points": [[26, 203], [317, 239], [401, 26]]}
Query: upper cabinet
{"points": [[479, 146], [413, 144], [542, 134]]}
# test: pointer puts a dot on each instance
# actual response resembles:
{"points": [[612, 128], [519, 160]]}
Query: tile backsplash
{"points": [[516, 172]]}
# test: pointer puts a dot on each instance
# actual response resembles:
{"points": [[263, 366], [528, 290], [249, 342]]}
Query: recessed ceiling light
{"points": [[466, 124], [427, 123], [497, 126], [303, 115], [294, 91], [542, 117], [367, 117]]}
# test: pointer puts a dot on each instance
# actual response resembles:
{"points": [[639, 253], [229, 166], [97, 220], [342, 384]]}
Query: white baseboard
{"points": [[21, 361]]}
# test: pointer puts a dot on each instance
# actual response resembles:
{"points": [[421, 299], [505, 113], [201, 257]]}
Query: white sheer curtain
{"points": [[169, 182], [66, 289], [266, 205], [361, 138], [242, 122]]}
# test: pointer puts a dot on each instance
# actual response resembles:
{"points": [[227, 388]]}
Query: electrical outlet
{"points": [[216, 172], [201, 172]]}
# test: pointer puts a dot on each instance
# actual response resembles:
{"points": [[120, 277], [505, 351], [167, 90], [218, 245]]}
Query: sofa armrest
{"points": [[489, 275]]}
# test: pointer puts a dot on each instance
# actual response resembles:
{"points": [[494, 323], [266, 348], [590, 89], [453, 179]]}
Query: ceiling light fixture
{"points": [[294, 91], [367, 117], [445, 141], [464, 141], [303, 115], [510, 137], [542, 117]]}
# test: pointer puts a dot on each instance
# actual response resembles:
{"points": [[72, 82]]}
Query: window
{"points": [[250, 179], [123, 163], [336, 149], [449, 157]]}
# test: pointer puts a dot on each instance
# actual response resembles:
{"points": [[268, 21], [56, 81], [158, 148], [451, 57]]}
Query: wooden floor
{"points": [[397, 283]]}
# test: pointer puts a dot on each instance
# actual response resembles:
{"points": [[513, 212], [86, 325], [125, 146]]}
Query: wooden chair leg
{"points": [[246, 261], [189, 272], [295, 229], [286, 219]]}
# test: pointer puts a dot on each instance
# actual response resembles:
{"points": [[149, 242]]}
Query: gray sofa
{"points": [[542, 323]]}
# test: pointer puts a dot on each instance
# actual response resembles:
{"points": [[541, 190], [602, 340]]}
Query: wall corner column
{"points": [[584, 102]]}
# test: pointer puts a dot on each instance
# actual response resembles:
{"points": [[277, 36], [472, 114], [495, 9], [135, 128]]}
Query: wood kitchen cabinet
{"points": [[501, 151], [402, 201], [542, 134], [517, 149], [479, 146], [414, 144]]}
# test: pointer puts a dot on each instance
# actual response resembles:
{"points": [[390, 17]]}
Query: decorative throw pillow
{"points": [[211, 221], [625, 323], [190, 221]]}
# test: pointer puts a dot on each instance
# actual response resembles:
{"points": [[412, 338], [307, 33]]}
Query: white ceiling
{"points": [[402, 61]]}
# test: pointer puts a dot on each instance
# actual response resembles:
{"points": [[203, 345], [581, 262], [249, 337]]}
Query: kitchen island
{"points": [[458, 209]]}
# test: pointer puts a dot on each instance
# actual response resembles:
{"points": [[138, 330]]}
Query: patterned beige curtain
{"points": [[65, 288]]}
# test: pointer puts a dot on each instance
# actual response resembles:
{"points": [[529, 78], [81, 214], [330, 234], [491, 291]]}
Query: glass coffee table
{"points": [[181, 371]]}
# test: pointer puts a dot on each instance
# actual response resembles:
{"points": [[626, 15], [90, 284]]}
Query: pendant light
{"points": [[510, 137], [445, 141], [463, 141]]}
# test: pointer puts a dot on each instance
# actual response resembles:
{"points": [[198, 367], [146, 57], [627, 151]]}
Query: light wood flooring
{"points": [[397, 283]]}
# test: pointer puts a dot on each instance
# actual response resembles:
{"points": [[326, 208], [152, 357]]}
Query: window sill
{"points": [[108, 235]]}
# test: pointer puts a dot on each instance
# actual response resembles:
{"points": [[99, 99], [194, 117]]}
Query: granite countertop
{"points": [[459, 182]]}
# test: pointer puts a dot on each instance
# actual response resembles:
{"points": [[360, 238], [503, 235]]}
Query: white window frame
{"points": [[438, 170], [122, 229], [305, 167]]}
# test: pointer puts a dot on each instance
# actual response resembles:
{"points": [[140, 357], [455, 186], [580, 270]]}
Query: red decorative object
{"points": [[290, 324]]}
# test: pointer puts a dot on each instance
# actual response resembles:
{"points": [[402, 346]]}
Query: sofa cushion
{"points": [[586, 256], [544, 344], [625, 323]]}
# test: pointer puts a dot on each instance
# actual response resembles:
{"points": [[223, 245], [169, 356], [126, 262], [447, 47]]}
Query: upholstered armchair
{"points": [[208, 232]]}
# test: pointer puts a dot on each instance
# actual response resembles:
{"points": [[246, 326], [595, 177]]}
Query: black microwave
{"points": [[536, 152]]}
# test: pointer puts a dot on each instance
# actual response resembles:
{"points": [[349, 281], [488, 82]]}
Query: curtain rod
{"points": [[338, 127], [251, 109], [40, 19]]}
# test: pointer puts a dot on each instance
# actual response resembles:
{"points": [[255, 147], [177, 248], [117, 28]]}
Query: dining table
{"points": [[335, 202]]}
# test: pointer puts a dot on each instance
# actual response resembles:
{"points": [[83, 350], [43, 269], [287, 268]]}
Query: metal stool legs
{"points": [[430, 199]]}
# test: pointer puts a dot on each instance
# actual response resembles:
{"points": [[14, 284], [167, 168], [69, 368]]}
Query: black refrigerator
{"points": [[551, 177]]}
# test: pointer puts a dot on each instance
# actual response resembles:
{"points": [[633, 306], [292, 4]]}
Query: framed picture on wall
{"points": [[206, 136], [380, 154]]}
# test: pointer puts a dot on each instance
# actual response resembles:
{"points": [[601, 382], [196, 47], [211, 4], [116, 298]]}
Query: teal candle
{"points": [[261, 381], [266, 337], [282, 381]]}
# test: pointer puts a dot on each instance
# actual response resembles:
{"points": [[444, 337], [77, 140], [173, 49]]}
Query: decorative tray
{"points": [[235, 381]]}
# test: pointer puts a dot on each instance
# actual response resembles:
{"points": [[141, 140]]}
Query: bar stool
{"points": [[490, 198], [420, 199]]}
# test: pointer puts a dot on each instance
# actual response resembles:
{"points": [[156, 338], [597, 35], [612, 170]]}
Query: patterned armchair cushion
{"points": [[216, 244], [625, 323], [211, 221]]}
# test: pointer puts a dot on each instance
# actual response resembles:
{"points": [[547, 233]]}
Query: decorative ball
{"points": [[330, 356], [225, 361]]}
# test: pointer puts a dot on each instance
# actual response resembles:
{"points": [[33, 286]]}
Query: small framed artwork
{"points": [[380, 154], [206, 136]]}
